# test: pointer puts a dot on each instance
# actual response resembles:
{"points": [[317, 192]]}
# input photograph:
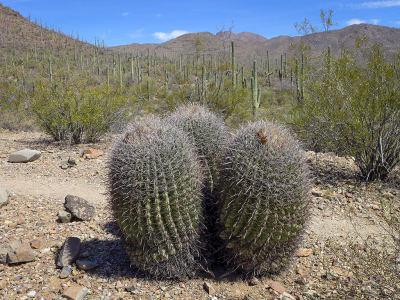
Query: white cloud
{"points": [[163, 36], [379, 4], [355, 21], [125, 14], [375, 21]]}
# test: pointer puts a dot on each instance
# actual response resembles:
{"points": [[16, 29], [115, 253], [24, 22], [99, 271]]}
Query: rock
{"points": [[65, 272], [316, 193], [302, 280], [64, 216], [92, 153], [254, 281], [3, 284], [72, 162], [75, 293], [69, 252], [286, 296], [3, 255], [85, 265], [64, 165], [209, 288], [31, 294], [3, 197], [277, 286], [247, 297], [19, 252], [79, 207], [303, 252], [23, 156], [36, 244]]}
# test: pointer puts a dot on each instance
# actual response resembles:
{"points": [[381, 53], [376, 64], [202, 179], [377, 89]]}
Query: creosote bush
{"points": [[154, 187], [352, 108], [68, 109], [264, 201]]}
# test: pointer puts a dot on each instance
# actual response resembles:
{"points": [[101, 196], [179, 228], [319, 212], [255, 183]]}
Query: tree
{"points": [[326, 19]]}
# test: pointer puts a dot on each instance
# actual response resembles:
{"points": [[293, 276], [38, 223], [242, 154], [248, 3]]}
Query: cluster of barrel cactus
{"points": [[178, 185]]}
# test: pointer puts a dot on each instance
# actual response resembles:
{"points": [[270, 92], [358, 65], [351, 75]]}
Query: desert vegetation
{"points": [[344, 101]]}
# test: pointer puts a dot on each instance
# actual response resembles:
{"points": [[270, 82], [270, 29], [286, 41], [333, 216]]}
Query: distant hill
{"points": [[249, 46], [243, 36]]}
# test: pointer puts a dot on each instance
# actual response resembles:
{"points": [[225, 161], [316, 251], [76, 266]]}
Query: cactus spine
{"points": [[154, 187], [264, 203]]}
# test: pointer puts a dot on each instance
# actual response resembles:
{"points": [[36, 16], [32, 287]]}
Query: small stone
{"points": [[3, 284], [36, 244], [92, 153], [85, 265], [31, 294], [303, 252], [69, 252], [64, 165], [302, 280], [254, 281], [64, 216], [209, 288], [348, 195], [72, 161], [3, 197], [75, 293], [375, 207], [65, 272], [277, 286], [316, 193], [286, 296], [79, 207], [247, 297], [23, 156]]}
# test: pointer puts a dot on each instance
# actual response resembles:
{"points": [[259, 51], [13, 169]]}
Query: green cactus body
{"points": [[264, 204], [209, 135], [154, 187]]}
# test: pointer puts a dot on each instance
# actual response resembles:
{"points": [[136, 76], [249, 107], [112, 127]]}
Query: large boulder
{"points": [[23, 156]]}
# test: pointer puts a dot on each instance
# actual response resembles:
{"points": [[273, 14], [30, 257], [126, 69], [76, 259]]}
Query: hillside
{"points": [[32, 46], [248, 45]]}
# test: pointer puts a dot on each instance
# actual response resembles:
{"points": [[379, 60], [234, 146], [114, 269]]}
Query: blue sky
{"points": [[122, 22]]}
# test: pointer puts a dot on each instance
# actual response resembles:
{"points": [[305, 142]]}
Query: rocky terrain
{"points": [[32, 233]]}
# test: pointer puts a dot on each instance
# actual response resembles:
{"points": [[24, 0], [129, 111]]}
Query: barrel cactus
{"points": [[264, 198], [154, 187], [209, 135]]}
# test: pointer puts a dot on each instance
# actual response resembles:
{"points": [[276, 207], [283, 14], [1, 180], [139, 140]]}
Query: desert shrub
{"points": [[69, 109], [13, 112], [352, 107]]}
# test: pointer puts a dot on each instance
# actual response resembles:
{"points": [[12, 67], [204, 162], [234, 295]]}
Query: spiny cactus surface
{"points": [[210, 136], [154, 188], [264, 198]]}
